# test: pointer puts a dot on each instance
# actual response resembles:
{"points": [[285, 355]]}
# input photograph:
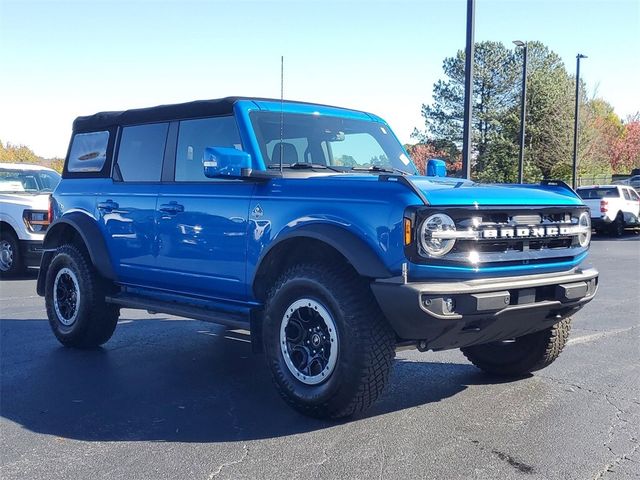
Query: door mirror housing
{"points": [[225, 162], [436, 168]]}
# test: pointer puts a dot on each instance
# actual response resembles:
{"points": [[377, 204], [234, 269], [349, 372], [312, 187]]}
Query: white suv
{"points": [[24, 214], [613, 207]]}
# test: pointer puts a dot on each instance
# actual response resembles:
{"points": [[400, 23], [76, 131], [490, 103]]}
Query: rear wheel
{"points": [[10, 260], [327, 343], [617, 227], [522, 355], [75, 300]]}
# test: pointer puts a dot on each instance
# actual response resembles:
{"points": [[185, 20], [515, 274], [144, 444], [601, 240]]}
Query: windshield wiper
{"points": [[303, 166], [376, 168]]}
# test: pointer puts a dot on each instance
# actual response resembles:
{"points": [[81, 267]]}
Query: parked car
{"points": [[24, 216], [633, 181], [613, 207], [309, 226]]}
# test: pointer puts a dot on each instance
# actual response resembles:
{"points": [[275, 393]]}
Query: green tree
{"points": [[17, 154], [494, 90]]}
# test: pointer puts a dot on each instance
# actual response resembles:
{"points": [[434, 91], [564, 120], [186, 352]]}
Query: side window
{"points": [[88, 152], [196, 135], [634, 195], [625, 191], [141, 152]]}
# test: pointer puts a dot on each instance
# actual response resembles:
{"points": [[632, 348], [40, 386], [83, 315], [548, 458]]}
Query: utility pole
{"points": [[468, 91]]}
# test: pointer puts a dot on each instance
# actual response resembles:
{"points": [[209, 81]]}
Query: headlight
{"points": [[432, 231], [584, 223]]}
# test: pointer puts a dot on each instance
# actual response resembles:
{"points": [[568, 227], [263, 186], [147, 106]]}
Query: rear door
{"points": [[127, 207], [203, 222]]}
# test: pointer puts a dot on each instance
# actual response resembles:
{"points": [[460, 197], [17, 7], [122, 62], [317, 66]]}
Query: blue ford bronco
{"points": [[310, 227]]}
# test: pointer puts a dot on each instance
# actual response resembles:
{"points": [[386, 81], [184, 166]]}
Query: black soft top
{"points": [[165, 113], [198, 108]]}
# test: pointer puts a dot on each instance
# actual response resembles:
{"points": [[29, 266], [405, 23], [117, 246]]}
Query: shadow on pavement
{"points": [[174, 380], [28, 274]]}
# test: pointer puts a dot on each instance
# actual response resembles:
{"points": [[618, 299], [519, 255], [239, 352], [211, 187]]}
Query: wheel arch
{"points": [[81, 229], [319, 242]]}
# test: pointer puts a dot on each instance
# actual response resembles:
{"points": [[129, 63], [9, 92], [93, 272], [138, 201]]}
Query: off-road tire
{"points": [[15, 265], [95, 320], [524, 355], [366, 342]]}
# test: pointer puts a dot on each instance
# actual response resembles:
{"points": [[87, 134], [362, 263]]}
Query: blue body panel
{"points": [[213, 247]]}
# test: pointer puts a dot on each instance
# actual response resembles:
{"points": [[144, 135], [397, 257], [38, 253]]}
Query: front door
{"points": [[202, 222]]}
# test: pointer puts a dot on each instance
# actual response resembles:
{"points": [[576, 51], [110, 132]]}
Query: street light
{"points": [[575, 123], [523, 108]]}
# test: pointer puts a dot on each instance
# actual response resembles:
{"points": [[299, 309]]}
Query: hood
{"points": [[28, 200], [459, 192]]}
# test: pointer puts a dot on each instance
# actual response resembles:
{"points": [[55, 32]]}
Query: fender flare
{"points": [[85, 226], [353, 248]]}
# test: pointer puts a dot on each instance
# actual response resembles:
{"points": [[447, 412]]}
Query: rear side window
{"points": [[88, 152], [141, 152], [196, 135], [626, 194], [589, 193], [634, 195]]}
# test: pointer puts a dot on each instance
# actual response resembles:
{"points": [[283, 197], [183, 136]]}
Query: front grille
{"points": [[509, 236]]}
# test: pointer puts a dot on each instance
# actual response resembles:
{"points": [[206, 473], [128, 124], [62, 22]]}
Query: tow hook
{"points": [[423, 346]]}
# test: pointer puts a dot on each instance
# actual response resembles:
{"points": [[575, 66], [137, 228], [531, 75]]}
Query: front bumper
{"points": [[458, 314]]}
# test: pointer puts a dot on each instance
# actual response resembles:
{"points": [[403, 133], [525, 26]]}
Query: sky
{"points": [[59, 60]]}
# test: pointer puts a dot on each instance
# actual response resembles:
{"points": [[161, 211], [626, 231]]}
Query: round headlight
{"points": [[584, 222], [433, 235]]}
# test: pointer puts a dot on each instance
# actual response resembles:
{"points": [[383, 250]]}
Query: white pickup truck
{"points": [[24, 214], [613, 207]]}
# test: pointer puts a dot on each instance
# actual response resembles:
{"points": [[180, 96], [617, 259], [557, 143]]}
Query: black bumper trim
{"points": [[455, 314]]}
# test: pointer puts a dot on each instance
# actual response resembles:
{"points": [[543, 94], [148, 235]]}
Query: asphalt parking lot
{"points": [[175, 398]]}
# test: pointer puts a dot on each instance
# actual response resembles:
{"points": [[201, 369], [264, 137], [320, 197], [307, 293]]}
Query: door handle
{"points": [[172, 208], [108, 206]]}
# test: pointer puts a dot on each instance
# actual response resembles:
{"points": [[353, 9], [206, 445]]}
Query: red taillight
{"points": [[50, 210], [604, 206]]}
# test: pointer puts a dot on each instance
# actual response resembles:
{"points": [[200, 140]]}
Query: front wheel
{"points": [[75, 300], [10, 260], [522, 355], [327, 343]]}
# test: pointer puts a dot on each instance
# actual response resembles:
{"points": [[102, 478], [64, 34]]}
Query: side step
{"points": [[182, 310]]}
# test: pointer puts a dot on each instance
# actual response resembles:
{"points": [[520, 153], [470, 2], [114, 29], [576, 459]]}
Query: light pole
{"points": [[523, 109], [575, 123]]}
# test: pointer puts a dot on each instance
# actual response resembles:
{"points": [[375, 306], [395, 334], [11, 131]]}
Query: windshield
{"points": [[334, 142], [28, 181]]}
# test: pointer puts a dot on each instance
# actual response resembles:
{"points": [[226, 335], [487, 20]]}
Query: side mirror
{"points": [[436, 168], [221, 162]]}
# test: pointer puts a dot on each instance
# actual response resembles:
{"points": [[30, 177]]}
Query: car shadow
{"points": [[175, 380], [28, 274]]}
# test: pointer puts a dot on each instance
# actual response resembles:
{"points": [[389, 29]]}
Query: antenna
{"points": [[281, 109]]}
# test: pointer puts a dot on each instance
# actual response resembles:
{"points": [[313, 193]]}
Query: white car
{"points": [[613, 207], [24, 214]]}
